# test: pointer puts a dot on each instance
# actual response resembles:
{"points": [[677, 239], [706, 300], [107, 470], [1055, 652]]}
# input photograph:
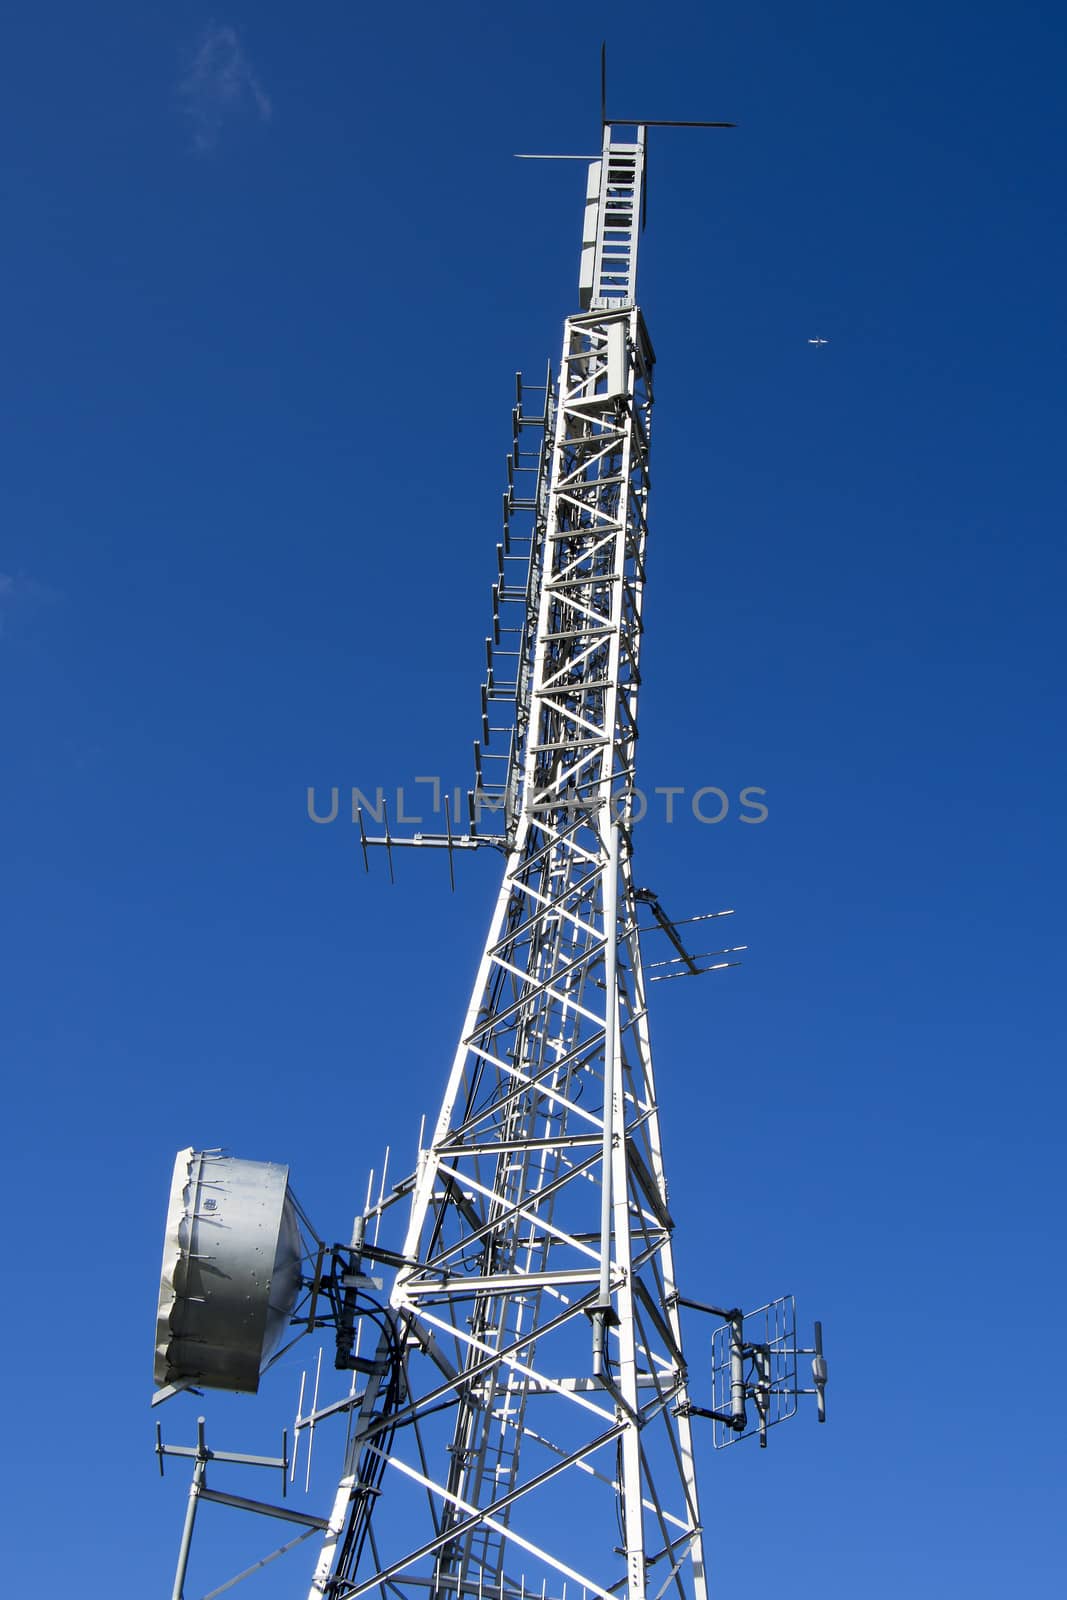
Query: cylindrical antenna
{"points": [[762, 1390], [819, 1373], [737, 1372]]}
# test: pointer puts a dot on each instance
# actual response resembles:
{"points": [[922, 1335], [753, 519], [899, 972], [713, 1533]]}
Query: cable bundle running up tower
{"points": [[520, 1422]]}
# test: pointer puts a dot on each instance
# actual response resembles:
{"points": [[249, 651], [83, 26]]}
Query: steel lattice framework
{"points": [[527, 1404]]}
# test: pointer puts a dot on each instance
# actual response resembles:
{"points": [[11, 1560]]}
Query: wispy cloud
{"points": [[220, 83]]}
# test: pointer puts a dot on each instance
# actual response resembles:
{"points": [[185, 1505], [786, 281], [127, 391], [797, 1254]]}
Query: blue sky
{"points": [[268, 279]]}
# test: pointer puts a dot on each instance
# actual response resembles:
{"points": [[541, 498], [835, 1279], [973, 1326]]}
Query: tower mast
{"points": [[527, 1404]]}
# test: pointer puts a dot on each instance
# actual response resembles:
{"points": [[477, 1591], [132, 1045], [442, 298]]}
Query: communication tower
{"points": [[520, 1422]]}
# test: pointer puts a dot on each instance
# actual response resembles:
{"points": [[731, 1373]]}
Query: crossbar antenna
{"points": [[644, 122]]}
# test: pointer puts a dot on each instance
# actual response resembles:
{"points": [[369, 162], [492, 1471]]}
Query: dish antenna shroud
{"points": [[231, 1271]]}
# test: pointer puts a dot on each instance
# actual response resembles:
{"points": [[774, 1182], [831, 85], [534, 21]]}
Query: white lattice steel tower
{"points": [[527, 1409], [519, 1420]]}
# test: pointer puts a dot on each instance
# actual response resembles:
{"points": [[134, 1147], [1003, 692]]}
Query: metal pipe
{"points": [[190, 1512]]}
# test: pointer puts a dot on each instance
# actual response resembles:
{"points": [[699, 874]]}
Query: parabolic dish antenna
{"points": [[231, 1271]]}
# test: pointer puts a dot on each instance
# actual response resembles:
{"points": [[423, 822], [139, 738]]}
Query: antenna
{"points": [[644, 122], [754, 1363], [199, 1491], [231, 1272], [507, 1317]]}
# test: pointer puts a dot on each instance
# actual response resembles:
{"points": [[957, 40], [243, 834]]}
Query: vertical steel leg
{"points": [[177, 1593]]}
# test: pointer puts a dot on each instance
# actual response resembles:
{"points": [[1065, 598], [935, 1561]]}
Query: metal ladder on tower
{"points": [[613, 210]]}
